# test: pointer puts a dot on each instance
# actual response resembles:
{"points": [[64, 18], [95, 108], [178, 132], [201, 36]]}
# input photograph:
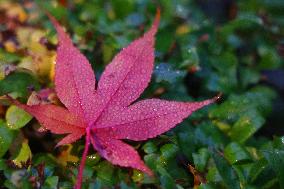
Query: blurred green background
{"points": [[203, 47]]}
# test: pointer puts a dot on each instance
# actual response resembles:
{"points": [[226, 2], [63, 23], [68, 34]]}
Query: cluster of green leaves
{"points": [[198, 54]]}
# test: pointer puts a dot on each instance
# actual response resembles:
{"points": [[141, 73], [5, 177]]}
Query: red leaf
{"points": [[74, 78], [104, 115], [129, 73], [118, 152], [56, 119], [147, 118]]}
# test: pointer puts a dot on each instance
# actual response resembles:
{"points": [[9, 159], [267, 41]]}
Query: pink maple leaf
{"points": [[105, 114]]}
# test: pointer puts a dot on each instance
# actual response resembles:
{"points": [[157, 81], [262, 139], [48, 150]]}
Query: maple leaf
{"points": [[106, 114]]}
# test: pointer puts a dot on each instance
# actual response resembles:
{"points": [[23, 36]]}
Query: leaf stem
{"points": [[83, 160]]}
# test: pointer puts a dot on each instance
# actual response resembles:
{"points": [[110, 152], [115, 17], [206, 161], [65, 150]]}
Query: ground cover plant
{"points": [[202, 48]]}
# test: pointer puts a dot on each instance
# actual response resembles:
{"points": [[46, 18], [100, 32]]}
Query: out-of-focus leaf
{"points": [[93, 159], [165, 72], [200, 159], [40, 59], [248, 76], [137, 176], [3, 165], [165, 179], [65, 156], [164, 40], [124, 186], [10, 46], [244, 22], [16, 117], [8, 57], [190, 57], [122, 7], [169, 151], [105, 172], [14, 10], [213, 175], [48, 159], [257, 169], [27, 36], [151, 160], [135, 19], [269, 58], [262, 175], [16, 179], [6, 69], [51, 182], [235, 153], [227, 173], [186, 139], [276, 160], [24, 154], [150, 147], [6, 138], [247, 125], [225, 79], [210, 135], [205, 186], [18, 82]]}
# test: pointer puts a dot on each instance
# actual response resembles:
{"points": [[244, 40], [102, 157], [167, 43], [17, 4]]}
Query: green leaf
{"points": [[6, 138], [164, 40], [151, 160], [225, 79], [186, 139], [205, 186], [18, 82], [248, 76], [269, 58], [190, 57], [137, 176], [2, 165], [247, 125], [261, 174], [200, 159], [24, 154], [8, 57], [149, 147], [235, 153], [51, 182], [213, 175], [169, 151], [257, 168], [16, 117], [105, 171], [166, 180], [208, 134], [275, 159], [227, 173], [122, 7], [93, 159]]}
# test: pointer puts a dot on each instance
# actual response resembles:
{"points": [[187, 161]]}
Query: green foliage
{"points": [[18, 83], [16, 118], [6, 138], [201, 50]]}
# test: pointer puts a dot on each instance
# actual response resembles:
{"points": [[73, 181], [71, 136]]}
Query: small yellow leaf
{"points": [[14, 10], [24, 155], [183, 29], [65, 156], [10, 46]]}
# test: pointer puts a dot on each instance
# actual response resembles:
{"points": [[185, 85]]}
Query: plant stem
{"points": [[83, 160]]}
